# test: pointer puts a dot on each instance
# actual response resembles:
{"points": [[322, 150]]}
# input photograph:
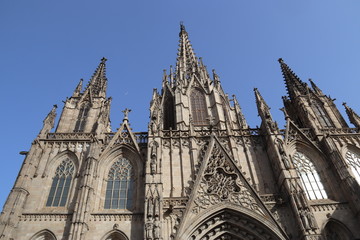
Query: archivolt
{"points": [[44, 235], [230, 224], [115, 235]]}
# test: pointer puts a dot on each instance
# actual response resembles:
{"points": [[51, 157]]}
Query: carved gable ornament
{"points": [[123, 136], [219, 182]]}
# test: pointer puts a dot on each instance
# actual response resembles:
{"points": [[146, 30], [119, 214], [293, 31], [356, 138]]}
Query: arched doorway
{"points": [[116, 235], [335, 230], [44, 235], [230, 224]]}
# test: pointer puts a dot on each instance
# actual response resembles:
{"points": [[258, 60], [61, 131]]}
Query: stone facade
{"points": [[199, 172]]}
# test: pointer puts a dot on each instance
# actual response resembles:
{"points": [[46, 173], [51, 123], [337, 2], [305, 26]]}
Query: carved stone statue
{"points": [[149, 228], [311, 219], [153, 126], [150, 207], [157, 228], [153, 158], [304, 220], [157, 207]]}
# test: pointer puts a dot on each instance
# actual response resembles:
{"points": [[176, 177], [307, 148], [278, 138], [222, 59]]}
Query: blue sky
{"points": [[47, 46]]}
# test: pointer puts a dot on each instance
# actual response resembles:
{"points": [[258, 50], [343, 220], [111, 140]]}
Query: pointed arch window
{"points": [[169, 112], [120, 185], [61, 183], [321, 114], [198, 107], [353, 160], [310, 178], [82, 117]]}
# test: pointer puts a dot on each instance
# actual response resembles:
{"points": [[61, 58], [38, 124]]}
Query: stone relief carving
{"points": [[220, 182]]}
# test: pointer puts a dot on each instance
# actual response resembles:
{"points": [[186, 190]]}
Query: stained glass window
{"points": [[198, 108], [353, 160], [321, 114], [119, 188], [81, 120], [309, 177], [60, 187]]}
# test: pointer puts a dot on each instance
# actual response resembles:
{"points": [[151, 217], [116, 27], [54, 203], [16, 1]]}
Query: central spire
{"points": [[187, 61]]}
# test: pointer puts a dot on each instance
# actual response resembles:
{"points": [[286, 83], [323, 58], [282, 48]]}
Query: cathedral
{"points": [[198, 172]]}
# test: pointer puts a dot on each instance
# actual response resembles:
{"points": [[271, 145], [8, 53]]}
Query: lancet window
{"points": [[353, 160], [61, 183], [81, 120], [321, 115], [198, 107], [169, 112], [310, 178], [120, 185]]}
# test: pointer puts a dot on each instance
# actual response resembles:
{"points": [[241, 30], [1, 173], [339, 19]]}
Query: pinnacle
{"points": [[98, 80], [293, 83]]}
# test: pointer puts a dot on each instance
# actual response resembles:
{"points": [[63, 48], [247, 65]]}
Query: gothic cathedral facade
{"points": [[198, 172]]}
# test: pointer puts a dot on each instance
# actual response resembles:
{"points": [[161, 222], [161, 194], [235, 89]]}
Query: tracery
{"points": [[310, 178], [61, 184], [119, 189], [353, 160], [198, 107]]}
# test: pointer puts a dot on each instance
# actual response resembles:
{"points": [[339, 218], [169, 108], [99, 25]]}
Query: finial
{"points": [[126, 114], [280, 60], [182, 26], [103, 60]]}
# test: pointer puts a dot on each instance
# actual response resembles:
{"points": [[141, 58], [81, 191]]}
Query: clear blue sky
{"points": [[47, 46]]}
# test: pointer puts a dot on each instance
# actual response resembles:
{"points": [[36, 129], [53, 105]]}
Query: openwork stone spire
{"points": [[294, 85], [98, 82]]}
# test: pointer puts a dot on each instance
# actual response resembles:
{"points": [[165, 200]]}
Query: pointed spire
{"points": [[186, 61], [98, 81], [264, 112], [315, 87], [78, 88], [48, 122], [353, 116], [293, 83], [216, 78], [238, 111], [261, 104]]}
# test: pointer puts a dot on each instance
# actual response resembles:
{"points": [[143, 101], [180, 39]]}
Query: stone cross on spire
{"points": [[126, 114]]}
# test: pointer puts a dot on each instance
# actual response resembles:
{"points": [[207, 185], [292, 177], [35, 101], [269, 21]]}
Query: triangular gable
{"points": [[123, 136], [195, 83], [294, 133], [219, 181]]}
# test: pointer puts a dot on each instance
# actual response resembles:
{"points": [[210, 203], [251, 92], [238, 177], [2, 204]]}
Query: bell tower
{"points": [[87, 111]]}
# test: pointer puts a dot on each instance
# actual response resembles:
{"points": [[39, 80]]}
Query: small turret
{"points": [[316, 89], [48, 122], [78, 89], [353, 116], [264, 112]]}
